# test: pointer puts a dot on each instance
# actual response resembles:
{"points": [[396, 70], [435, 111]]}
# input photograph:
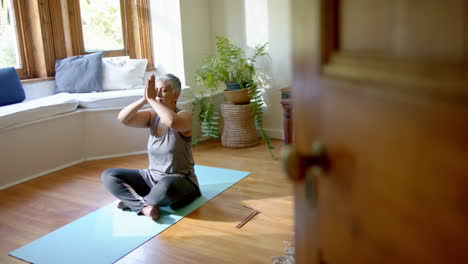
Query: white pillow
{"points": [[123, 75]]}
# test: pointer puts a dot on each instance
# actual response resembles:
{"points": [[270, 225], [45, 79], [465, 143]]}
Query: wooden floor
{"points": [[208, 235]]}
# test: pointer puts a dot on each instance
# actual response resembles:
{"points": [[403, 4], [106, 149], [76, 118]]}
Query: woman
{"points": [[170, 179]]}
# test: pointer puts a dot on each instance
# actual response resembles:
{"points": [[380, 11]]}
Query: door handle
{"points": [[297, 164]]}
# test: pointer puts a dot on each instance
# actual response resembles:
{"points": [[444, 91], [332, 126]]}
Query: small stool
{"points": [[239, 126]]}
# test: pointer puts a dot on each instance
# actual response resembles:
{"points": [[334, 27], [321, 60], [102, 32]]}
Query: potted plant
{"points": [[231, 66]]}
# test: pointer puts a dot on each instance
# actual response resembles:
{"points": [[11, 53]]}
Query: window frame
{"points": [[51, 29], [77, 31], [136, 27], [21, 24]]}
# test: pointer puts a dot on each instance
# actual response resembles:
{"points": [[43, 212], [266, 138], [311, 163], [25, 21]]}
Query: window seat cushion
{"points": [[123, 75], [11, 89], [79, 74], [36, 109], [120, 98]]}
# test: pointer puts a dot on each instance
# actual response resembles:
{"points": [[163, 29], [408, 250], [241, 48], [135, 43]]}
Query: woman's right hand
{"points": [[150, 88]]}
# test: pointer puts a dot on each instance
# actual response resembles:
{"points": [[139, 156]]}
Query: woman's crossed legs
{"points": [[129, 186]]}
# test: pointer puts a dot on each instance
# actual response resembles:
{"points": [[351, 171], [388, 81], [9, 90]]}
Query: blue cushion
{"points": [[11, 90], [79, 74]]}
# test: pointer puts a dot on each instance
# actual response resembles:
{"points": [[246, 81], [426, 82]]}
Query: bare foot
{"points": [[122, 206], [155, 213], [151, 211]]}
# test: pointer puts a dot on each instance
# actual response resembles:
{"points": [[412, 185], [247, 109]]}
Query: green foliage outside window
{"points": [[102, 25], [9, 56]]}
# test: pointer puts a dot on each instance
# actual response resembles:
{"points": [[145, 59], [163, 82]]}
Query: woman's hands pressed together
{"points": [[150, 88]]}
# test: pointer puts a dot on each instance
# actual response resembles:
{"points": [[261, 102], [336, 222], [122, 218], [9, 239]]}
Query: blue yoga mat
{"points": [[108, 234]]}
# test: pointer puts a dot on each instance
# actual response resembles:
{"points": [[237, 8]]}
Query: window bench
{"points": [[50, 132]]}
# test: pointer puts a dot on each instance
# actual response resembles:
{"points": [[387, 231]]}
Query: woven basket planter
{"points": [[239, 127]]}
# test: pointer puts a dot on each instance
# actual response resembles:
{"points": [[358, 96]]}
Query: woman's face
{"points": [[165, 94]]}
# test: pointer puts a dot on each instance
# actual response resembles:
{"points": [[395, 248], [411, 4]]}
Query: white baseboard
{"points": [[117, 155], [69, 165], [272, 133], [41, 174], [275, 133]]}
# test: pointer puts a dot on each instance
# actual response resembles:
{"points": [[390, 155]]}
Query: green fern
{"points": [[256, 103], [230, 65], [208, 116]]}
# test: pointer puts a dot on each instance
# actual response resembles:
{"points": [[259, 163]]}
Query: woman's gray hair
{"points": [[172, 80]]}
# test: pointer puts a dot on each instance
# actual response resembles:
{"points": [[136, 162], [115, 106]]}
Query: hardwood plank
{"points": [[208, 235]]}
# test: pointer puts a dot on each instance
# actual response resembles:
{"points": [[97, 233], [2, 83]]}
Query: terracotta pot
{"points": [[240, 96]]}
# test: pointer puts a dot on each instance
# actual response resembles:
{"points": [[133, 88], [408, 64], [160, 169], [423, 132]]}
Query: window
{"points": [[12, 52], [116, 27], [102, 27], [33, 34]]}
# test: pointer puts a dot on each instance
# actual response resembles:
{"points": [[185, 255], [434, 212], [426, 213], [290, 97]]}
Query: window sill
{"points": [[37, 80], [33, 80]]}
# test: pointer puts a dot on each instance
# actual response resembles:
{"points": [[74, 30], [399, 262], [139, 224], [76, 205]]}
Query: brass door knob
{"points": [[296, 164]]}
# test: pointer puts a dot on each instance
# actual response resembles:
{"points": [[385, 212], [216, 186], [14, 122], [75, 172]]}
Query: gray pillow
{"points": [[79, 74]]}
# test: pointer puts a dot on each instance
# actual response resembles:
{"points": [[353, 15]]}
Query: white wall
{"points": [[228, 19], [196, 35], [279, 30], [167, 38]]}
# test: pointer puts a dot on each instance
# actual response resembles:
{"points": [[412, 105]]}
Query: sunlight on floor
{"points": [[214, 220]]}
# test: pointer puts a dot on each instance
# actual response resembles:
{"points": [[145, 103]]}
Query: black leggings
{"points": [[129, 186]]}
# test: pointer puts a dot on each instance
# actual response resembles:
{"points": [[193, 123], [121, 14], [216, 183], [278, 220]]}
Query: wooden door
{"points": [[382, 85]]}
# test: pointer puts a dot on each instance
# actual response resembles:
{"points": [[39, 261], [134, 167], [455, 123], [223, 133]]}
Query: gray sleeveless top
{"points": [[169, 155]]}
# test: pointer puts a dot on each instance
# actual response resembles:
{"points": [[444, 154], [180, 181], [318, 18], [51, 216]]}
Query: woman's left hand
{"points": [[150, 88]]}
